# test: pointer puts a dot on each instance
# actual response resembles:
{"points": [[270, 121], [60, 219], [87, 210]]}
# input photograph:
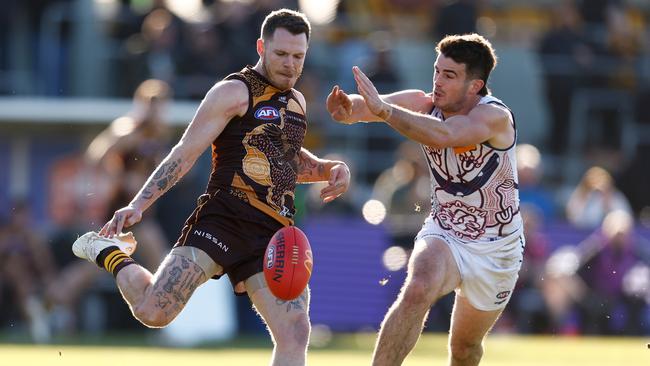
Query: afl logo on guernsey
{"points": [[267, 113]]}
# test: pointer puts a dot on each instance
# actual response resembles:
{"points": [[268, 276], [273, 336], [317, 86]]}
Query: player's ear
{"points": [[260, 47], [476, 85]]}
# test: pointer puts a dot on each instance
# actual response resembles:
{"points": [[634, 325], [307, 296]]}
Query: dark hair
{"points": [[291, 20], [474, 51]]}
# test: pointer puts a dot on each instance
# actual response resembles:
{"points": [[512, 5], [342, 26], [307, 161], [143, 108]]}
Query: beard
{"points": [[275, 83]]}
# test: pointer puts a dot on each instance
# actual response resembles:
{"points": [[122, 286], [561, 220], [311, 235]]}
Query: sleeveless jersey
{"points": [[474, 190], [255, 157]]}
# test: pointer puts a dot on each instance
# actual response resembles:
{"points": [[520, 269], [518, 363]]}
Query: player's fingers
{"points": [[333, 190], [129, 222], [120, 223], [110, 229], [332, 95], [334, 174], [104, 229], [330, 196], [347, 105], [362, 86], [132, 220], [327, 191], [365, 81], [361, 74]]}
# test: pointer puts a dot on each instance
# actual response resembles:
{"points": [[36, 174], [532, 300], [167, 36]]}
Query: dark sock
{"points": [[113, 260]]}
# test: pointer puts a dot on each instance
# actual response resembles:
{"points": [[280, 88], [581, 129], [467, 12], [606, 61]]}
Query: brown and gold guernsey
{"points": [[255, 156]]}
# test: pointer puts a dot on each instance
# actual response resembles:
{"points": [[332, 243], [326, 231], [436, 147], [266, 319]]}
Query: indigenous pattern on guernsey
{"points": [[255, 157], [474, 191]]}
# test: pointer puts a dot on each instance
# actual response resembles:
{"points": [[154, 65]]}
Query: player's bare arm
{"points": [[351, 108], [224, 101], [312, 169], [484, 123]]}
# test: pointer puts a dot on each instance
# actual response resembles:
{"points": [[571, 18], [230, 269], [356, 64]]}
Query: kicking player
{"points": [[255, 122]]}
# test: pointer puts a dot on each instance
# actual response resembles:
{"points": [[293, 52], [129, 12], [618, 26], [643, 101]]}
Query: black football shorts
{"points": [[232, 232]]}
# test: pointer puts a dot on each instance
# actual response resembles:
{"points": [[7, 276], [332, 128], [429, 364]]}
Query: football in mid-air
{"points": [[288, 263]]}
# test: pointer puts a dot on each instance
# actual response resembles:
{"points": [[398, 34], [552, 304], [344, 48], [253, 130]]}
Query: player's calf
{"points": [[170, 290]]}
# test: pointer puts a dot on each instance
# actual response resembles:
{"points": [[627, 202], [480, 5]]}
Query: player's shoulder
{"points": [[412, 99], [228, 90], [493, 111], [301, 99], [230, 95], [236, 86]]}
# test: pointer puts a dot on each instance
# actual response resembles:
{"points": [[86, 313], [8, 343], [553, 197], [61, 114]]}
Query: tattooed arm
{"points": [[313, 169], [224, 101]]}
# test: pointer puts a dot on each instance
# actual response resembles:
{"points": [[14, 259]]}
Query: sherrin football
{"points": [[288, 263]]}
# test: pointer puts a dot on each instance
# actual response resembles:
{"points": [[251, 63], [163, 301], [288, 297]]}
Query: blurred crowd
{"points": [[587, 258]]}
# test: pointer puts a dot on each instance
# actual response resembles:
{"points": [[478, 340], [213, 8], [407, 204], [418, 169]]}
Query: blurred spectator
{"points": [[528, 307], [634, 179], [456, 17], [608, 280], [404, 188], [204, 63], [79, 194], [240, 22], [10, 10], [594, 197], [129, 150], [594, 12], [382, 71], [125, 23], [531, 190], [617, 44], [615, 301], [154, 52], [26, 267], [121, 157], [564, 55], [625, 45]]}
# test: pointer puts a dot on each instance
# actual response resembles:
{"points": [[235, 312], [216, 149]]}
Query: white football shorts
{"points": [[488, 270]]}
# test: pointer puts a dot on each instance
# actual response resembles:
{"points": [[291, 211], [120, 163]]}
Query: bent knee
{"points": [[152, 317], [461, 350], [294, 333], [420, 292]]}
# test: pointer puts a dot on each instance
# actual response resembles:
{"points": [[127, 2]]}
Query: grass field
{"points": [[346, 350]]}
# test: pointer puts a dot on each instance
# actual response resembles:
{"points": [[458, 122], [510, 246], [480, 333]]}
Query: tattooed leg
{"points": [[156, 299], [288, 323]]}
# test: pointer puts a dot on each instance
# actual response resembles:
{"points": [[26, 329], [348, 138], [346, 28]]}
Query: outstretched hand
{"points": [[337, 184], [370, 94], [339, 105], [122, 218]]}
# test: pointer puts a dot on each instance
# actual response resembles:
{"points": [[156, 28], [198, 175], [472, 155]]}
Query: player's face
{"points": [[283, 56], [450, 84]]}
